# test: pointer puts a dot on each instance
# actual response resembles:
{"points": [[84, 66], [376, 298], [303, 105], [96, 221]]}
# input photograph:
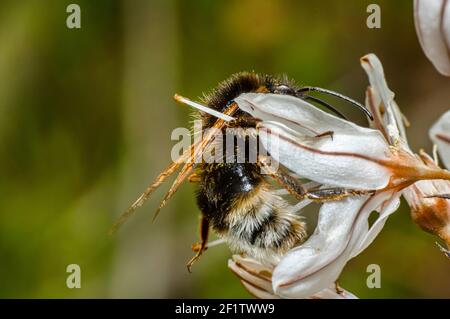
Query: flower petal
{"points": [[342, 232], [380, 101], [251, 271], [343, 160], [432, 21], [295, 113], [387, 209], [440, 135]]}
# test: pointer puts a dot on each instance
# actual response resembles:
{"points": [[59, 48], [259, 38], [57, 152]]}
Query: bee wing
{"points": [[352, 157]]}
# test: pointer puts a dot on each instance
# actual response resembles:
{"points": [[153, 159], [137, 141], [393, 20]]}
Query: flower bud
{"points": [[430, 211]]}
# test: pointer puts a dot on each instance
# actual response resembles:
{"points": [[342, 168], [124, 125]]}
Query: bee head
{"points": [[244, 82]]}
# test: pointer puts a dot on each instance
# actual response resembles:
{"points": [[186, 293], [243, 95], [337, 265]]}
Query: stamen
{"points": [[435, 154], [203, 108]]}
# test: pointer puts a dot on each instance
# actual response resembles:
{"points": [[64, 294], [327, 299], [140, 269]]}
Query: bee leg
{"points": [[331, 194], [327, 133], [201, 246], [293, 186], [194, 178], [290, 184], [444, 196]]}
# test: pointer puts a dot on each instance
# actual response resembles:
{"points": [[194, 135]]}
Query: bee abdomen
{"points": [[278, 233], [266, 228]]}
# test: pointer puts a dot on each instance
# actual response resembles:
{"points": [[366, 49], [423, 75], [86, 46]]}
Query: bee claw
{"points": [[192, 261]]}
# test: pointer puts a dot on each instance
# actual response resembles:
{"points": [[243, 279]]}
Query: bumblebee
{"points": [[239, 200]]}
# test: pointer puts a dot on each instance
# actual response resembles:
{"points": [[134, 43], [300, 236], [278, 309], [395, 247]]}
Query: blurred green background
{"points": [[85, 122]]}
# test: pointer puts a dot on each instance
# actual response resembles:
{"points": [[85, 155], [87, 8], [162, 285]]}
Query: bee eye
{"points": [[284, 89]]}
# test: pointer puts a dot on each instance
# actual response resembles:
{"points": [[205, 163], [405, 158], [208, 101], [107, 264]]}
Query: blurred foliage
{"points": [[85, 122]]}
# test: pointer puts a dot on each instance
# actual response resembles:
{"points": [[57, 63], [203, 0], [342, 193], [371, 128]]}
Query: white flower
{"points": [[428, 211], [289, 133], [354, 156], [432, 20], [377, 160]]}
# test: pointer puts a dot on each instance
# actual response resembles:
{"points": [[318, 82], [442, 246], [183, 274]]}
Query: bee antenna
{"points": [[203, 108], [325, 104], [338, 95]]}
